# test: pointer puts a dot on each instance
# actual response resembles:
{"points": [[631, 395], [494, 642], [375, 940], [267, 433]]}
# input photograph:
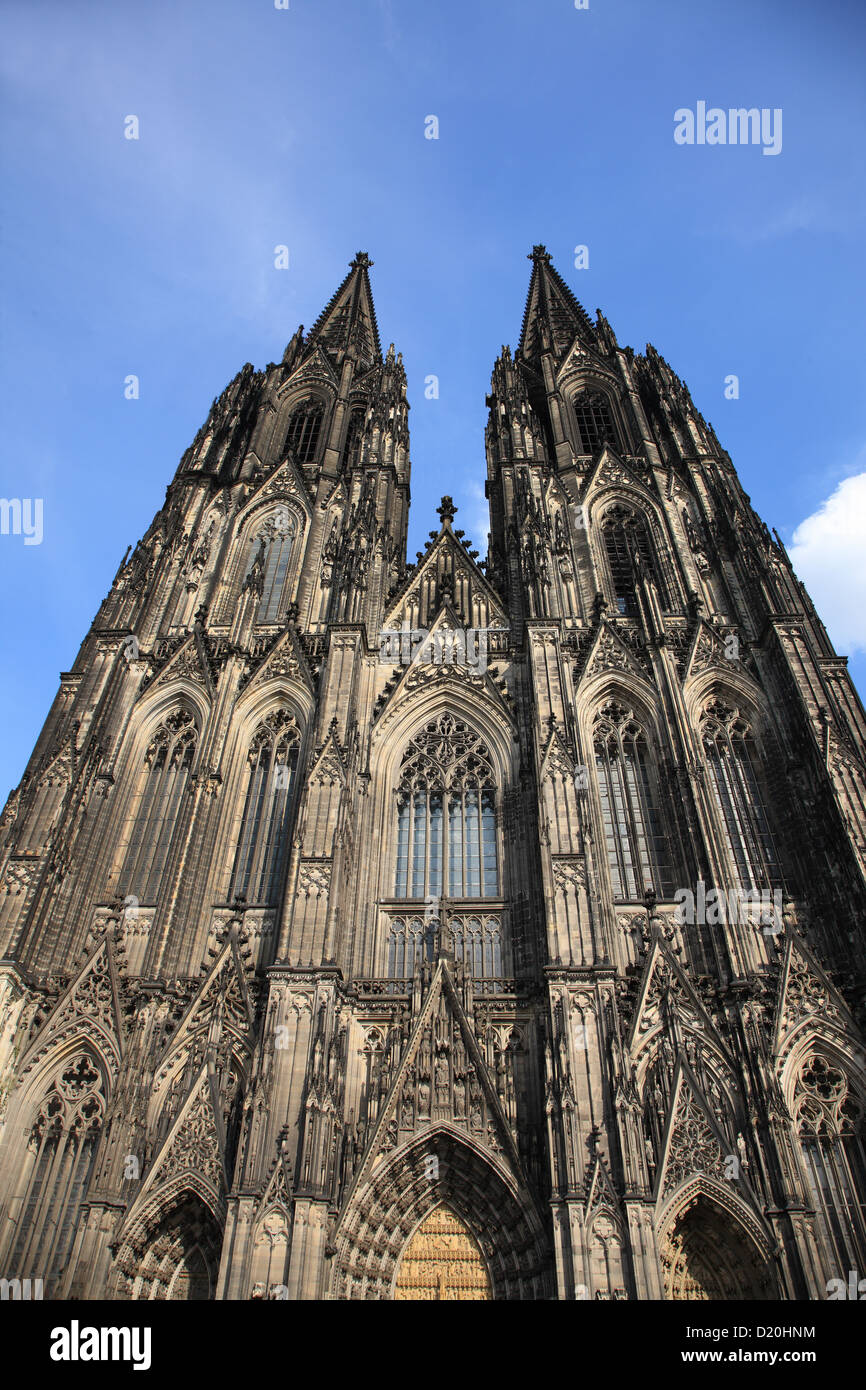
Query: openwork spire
{"points": [[348, 320], [552, 317]]}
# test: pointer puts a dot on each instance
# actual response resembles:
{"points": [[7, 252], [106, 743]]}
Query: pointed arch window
{"points": [[264, 835], [268, 567], [61, 1149], [829, 1119], [629, 553], [731, 759], [638, 850], [594, 421], [305, 427], [352, 447], [164, 779], [446, 815]]}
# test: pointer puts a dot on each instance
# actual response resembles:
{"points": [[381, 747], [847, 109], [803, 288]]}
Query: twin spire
{"points": [[552, 319]]}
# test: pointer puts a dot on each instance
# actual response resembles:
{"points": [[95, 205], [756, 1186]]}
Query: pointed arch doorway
{"points": [[708, 1256], [442, 1261], [495, 1220], [176, 1256]]}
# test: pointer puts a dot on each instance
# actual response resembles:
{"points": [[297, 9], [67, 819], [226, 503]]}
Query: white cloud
{"points": [[812, 212], [828, 554]]}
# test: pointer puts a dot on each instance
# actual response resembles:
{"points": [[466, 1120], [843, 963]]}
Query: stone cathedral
{"points": [[458, 929]]}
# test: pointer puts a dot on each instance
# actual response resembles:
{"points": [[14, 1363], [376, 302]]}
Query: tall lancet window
{"points": [[829, 1120], [446, 815], [59, 1159], [269, 558], [305, 427], [638, 850], [730, 754], [263, 842], [594, 421], [354, 432], [629, 553], [446, 852], [164, 779]]}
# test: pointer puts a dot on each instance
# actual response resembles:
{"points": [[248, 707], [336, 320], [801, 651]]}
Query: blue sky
{"points": [[305, 127]]}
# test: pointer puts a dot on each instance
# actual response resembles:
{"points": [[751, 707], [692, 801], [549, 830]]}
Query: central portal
{"points": [[442, 1261]]}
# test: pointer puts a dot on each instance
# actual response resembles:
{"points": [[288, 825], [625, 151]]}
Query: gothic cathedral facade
{"points": [[458, 929]]}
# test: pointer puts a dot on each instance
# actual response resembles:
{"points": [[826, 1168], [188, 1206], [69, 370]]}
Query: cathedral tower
{"points": [[459, 929]]}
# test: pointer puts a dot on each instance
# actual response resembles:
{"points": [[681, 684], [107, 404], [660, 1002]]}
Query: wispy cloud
{"points": [[815, 212], [390, 35], [806, 214]]}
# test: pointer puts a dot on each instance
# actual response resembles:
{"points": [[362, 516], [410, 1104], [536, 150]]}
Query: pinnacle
{"points": [[447, 511]]}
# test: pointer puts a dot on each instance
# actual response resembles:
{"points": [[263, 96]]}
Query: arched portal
{"points": [[439, 1176], [178, 1258], [442, 1261], [708, 1256], [192, 1282]]}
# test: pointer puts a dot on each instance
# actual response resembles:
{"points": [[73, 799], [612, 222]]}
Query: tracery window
{"points": [[411, 941], [62, 1143], [352, 447], [305, 426], [630, 552], [829, 1120], [476, 941], [446, 815], [638, 851], [730, 755], [594, 421], [268, 566], [164, 780], [263, 841]]}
